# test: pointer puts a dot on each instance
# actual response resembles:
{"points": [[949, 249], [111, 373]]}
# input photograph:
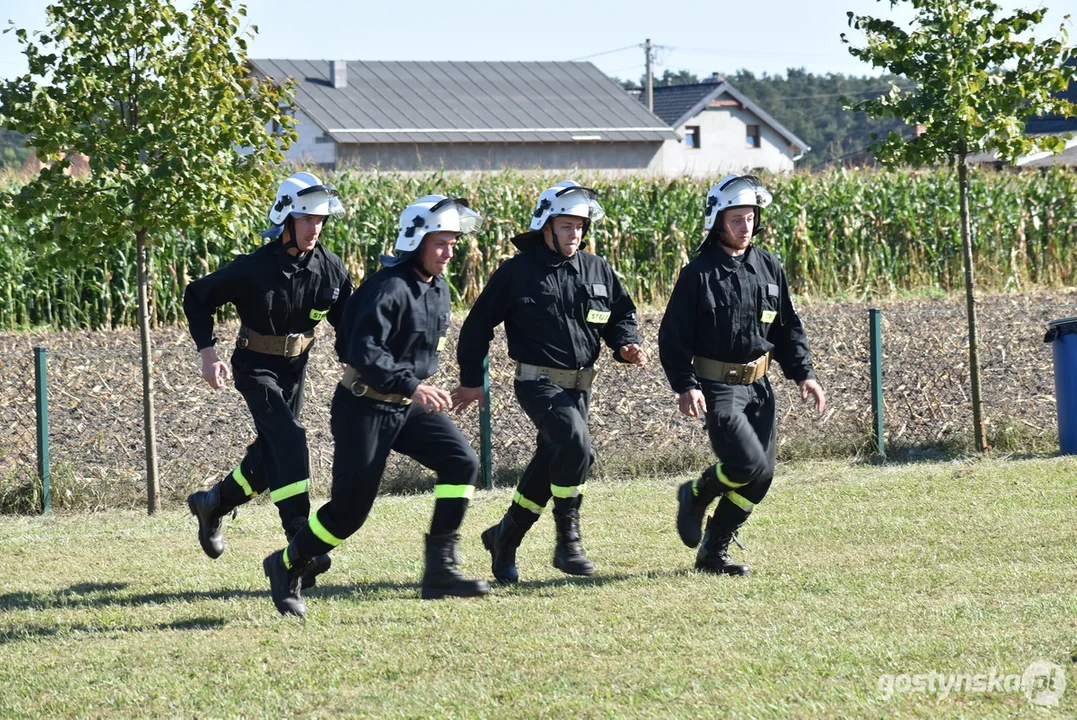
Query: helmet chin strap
{"points": [[416, 260], [557, 240], [289, 226]]}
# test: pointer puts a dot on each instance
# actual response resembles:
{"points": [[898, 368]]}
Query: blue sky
{"points": [[763, 36]]}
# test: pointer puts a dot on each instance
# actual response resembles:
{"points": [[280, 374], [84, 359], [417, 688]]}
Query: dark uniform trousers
{"points": [[364, 431], [741, 425], [278, 459], [563, 454]]}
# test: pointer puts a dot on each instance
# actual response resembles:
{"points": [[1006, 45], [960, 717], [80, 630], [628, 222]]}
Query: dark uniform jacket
{"points": [[733, 310], [555, 312], [274, 294], [393, 329]]}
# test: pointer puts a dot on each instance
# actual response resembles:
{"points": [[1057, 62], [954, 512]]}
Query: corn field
{"points": [[848, 234]]}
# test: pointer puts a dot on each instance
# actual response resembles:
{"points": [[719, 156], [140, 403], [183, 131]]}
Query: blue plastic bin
{"points": [[1062, 334]]}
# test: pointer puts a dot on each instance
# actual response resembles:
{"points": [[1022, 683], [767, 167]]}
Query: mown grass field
{"points": [[861, 571]]}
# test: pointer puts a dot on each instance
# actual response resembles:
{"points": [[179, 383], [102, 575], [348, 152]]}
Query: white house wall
{"points": [[306, 149], [723, 147]]}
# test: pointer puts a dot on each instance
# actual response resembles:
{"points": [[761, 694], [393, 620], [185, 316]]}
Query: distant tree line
{"points": [[809, 106], [13, 150]]}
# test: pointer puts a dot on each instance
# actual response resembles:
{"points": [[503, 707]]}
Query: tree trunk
{"points": [[970, 306], [153, 500]]}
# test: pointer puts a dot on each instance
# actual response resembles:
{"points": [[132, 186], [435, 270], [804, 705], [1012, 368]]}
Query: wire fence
{"points": [[96, 414]]}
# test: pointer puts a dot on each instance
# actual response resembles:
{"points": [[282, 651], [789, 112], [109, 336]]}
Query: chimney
{"points": [[717, 78], [338, 73]]}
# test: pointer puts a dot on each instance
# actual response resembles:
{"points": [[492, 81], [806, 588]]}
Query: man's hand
{"points": [[692, 403], [633, 354], [432, 399], [214, 371], [810, 387], [464, 396]]}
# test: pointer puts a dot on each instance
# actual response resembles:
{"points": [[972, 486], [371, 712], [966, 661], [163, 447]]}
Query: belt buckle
{"points": [[291, 342], [358, 394], [242, 341], [734, 376], [543, 377]]}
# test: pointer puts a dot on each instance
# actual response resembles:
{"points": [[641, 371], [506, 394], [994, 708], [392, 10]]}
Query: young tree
{"points": [[977, 82], [161, 102]]}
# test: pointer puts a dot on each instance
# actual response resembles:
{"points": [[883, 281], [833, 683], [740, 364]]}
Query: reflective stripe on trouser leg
{"points": [[454, 491], [242, 481], [321, 533], [740, 501], [722, 478], [296, 488], [567, 491], [527, 504]]}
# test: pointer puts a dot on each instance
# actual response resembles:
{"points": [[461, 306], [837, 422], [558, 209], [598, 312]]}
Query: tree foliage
{"points": [[158, 100], [976, 81]]}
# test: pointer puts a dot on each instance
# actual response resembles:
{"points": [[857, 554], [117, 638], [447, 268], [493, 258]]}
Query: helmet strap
{"points": [[289, 227], [416, 260], [289, 233], [557, 241]]}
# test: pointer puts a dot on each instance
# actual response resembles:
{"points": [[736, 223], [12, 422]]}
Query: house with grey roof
{"points": [[463, 116], [721, 130]]}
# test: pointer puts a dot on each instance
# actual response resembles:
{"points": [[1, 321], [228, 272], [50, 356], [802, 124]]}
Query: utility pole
{"points": [[650, 77]]}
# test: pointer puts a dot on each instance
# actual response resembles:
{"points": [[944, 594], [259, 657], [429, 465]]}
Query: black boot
{"points": [[713, 555], [442, 577], [206, 506], [693, 497], [320, 563], [501, 541], [568, 554], [284, 583]]}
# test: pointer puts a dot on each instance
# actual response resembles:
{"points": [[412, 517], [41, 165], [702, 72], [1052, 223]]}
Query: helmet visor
{"points": [[453, 215], [751, 182], [317, 200], [577, 201]]}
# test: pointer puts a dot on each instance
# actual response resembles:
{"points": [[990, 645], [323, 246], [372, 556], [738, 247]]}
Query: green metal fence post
{"points": [[875, 325], [42, 404], [486, 456]]}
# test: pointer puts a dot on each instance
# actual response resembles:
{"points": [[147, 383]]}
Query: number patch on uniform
{"points": [[441, 343], [599, 317], [317, 315], [769, 315]]}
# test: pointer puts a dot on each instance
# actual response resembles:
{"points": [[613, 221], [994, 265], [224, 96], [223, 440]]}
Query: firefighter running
{"points": [[557, 304], [281, 292], [728, 316], [393, 328]]}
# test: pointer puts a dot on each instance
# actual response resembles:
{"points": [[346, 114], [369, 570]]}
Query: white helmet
{"points": [[735, 191], [567, 198], [431, 214], [301, 194]]}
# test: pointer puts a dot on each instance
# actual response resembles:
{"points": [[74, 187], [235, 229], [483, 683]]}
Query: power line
{"points": [[606, 52]]}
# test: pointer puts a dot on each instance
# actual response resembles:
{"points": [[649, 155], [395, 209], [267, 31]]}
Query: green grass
{"points": [[860, 571]]}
